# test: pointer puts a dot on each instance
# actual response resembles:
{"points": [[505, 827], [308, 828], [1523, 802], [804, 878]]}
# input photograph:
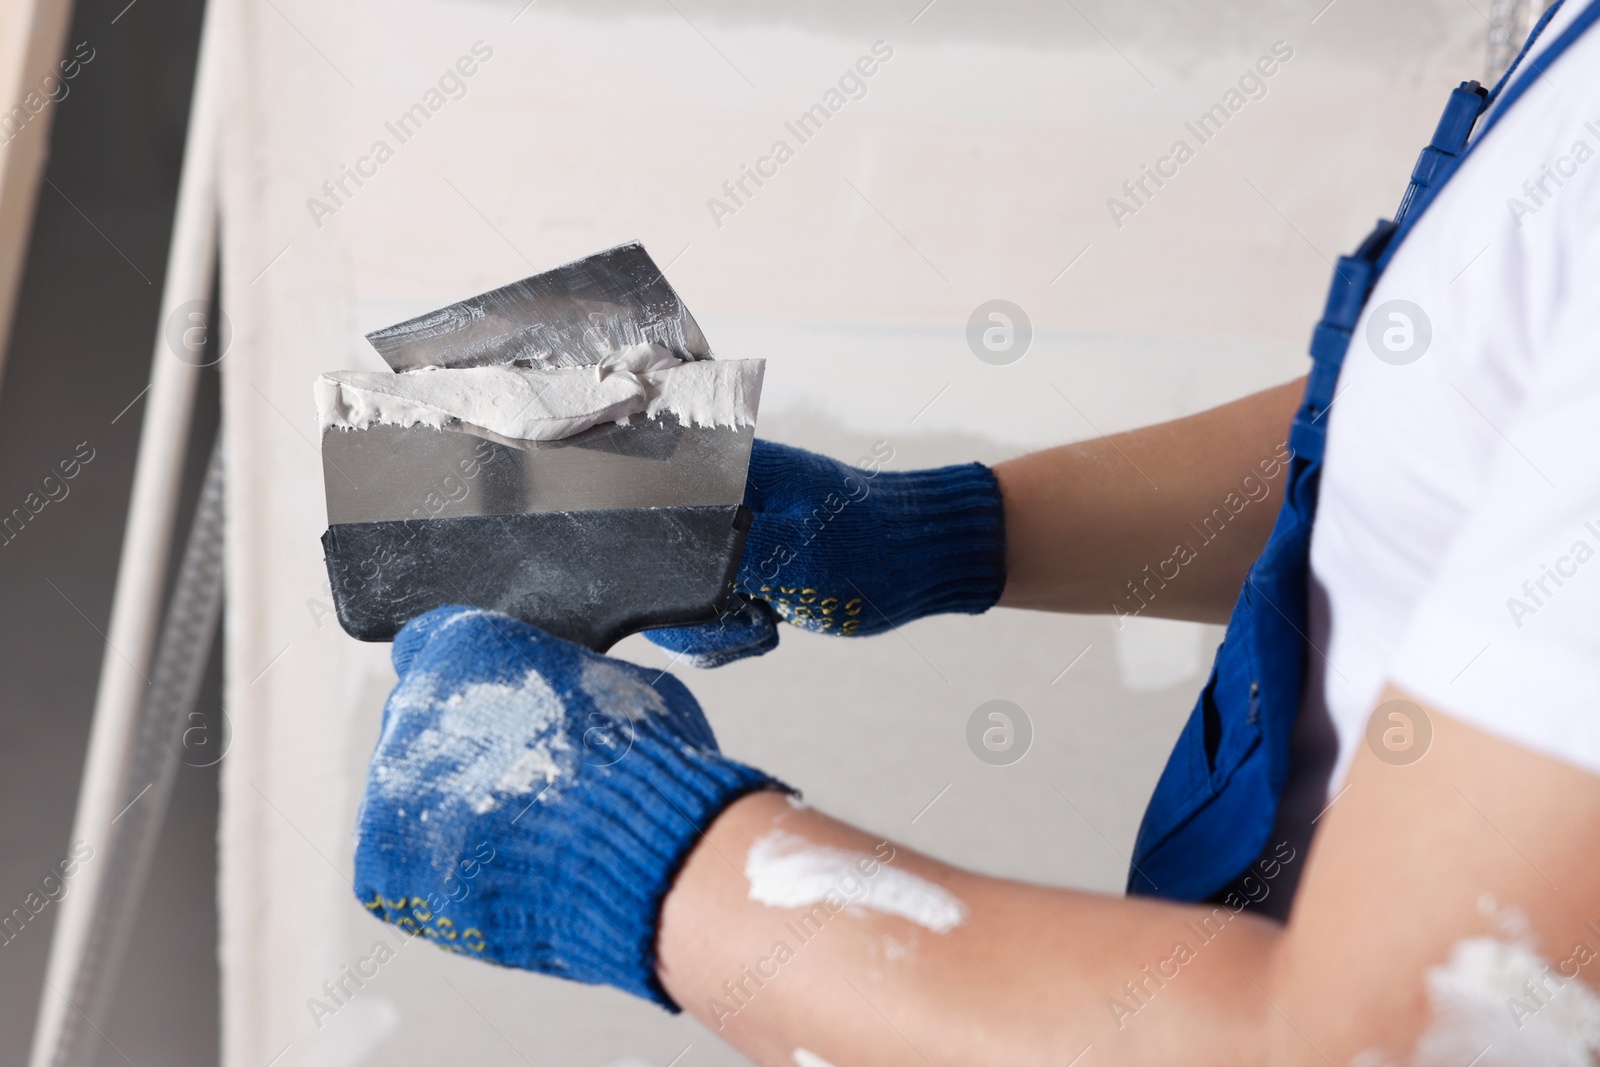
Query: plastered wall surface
{"points": [[975, 163]]}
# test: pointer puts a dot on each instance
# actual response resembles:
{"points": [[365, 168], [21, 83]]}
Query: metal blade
{"points": [[416, 472], [570, 316]]}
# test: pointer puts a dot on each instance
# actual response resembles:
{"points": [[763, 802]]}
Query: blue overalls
{"points": [[1215, 805]]}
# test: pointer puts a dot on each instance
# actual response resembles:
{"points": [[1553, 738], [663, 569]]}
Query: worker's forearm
{"points": [[1163, 521], [1027, 976]]}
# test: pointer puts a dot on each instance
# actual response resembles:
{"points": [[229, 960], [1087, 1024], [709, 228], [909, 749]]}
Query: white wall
{"points": [[977, 166]]}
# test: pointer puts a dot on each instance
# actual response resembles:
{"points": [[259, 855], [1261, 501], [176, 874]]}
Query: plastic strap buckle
{"points": [[1443, 153], [1461, 113]]}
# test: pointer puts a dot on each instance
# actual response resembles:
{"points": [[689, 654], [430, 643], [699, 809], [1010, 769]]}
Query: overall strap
{"points": [[1355, 275], [1216, 803], [1527, 46], [1467, 103], [1513, 91], [1353, 279]]}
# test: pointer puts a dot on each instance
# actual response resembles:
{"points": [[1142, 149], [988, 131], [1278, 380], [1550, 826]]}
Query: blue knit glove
{"points": [[530, 802], [839, 550]]}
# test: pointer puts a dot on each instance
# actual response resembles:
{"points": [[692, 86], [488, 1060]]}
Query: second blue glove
{"points": [[839, 550]]}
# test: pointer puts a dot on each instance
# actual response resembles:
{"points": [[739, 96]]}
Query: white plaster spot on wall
{"points": [[355, 1031], [1157, 653]]}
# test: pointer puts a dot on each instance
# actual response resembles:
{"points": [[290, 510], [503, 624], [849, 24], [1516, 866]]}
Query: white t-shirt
{"points": [[1456, 549]]}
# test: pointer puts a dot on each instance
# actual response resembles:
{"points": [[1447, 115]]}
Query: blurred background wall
{"points": [[79, 356], [984, 159]]}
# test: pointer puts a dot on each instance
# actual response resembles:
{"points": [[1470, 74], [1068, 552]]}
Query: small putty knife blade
{"points": [[571, 316]]}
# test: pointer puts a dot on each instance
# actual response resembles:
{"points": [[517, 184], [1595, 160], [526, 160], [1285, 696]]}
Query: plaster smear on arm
{"points": [[529, 404], [787, 871], [1500, 1004], [807, 1058]]}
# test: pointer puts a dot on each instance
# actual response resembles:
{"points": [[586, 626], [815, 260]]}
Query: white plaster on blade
{"points": [[539, 404], [787, 871], [807, 1058]]}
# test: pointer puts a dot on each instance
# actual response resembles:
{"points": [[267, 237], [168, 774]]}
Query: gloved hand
{"points": [[839, 550], [530, 802]]}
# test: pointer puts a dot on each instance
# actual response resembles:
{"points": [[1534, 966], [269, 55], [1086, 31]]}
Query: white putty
{"points": [[1494, 1003], [528, 404], [787, 871], [807, 1058], [487, 738]]}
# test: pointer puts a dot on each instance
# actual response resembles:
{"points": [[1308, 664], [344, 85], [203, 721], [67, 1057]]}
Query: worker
{"points": [[1371, 843]]}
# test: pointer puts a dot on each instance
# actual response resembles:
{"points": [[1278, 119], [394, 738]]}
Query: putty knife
{"points": [[593, 537]]}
